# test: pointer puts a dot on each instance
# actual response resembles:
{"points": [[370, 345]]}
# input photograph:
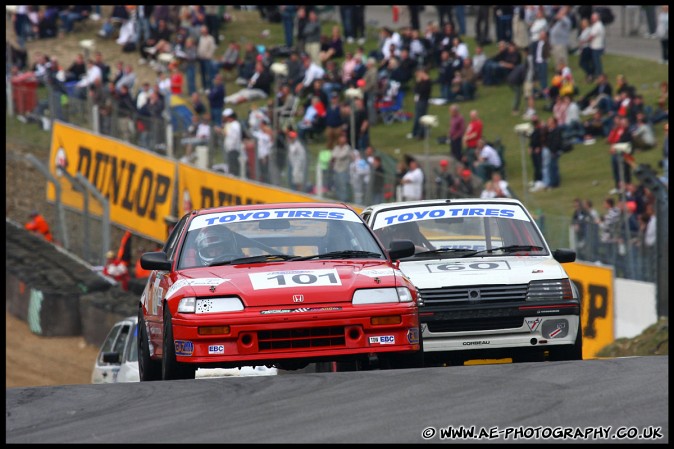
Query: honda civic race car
{"points": [[276, 285], [488, 284]]}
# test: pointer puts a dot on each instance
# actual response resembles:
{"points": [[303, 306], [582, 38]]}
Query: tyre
{"points": [[148, 369], [569, 352], [170, 368], [408, 359]]}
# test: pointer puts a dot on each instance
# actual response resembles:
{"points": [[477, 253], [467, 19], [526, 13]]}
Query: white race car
{"points": [[489, 286], [117, 359]]}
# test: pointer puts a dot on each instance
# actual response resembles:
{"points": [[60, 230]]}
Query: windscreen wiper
{"points": [[444, 250], [509, 249], [253, 259], [348, 254]]}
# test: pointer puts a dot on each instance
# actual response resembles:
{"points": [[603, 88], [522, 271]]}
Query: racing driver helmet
{"points": [[214, 242]]}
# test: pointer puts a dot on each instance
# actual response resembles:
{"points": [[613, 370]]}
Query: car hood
{"points": [[288, 283], [437, 273]]}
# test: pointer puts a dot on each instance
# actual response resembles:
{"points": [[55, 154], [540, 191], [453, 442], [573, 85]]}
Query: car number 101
{"points": [[299, 278]]}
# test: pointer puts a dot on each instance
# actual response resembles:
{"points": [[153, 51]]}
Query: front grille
{"points": [[481, 324], [474, 294], [316, 337]]}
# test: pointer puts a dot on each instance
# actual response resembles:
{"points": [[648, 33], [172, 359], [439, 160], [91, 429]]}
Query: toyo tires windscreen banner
{"points": [[138, 183]]}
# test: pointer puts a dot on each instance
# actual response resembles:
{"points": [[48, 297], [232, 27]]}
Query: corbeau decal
{"points": [[300, 309]]}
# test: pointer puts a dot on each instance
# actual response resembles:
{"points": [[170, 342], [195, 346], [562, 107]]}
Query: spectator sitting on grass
{"points": [[258, 87]]}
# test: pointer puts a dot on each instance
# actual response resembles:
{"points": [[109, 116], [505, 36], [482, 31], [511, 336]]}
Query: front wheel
{"points": [[148, 369], [171, 369]]}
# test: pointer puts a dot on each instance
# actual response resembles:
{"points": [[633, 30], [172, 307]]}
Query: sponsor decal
{"points": [[297, 278], [533, 323], [216, 349], [273, 214], [377, 272], [184, 347], [301, 309], [383, 340], [388, 218], [413, 336], [556, 332], [463, 266], [213, 282], [476, 343]]}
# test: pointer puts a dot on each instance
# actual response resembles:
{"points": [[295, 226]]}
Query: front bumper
{"points": [[257, 337]]}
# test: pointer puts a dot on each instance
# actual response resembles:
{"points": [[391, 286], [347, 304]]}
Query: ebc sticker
{"points": [[184, 347], [216, 349], [463, 266], [295, 278], [383, 340], [324, 213], [194, 283], [397, 216]]}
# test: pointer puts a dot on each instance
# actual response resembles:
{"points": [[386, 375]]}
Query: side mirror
{"points": [[156, 260], [111, 357], [400, 249], [563, 255]]}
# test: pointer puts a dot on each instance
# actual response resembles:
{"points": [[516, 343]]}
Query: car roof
{"points": [[290, 205], [382, 206]]}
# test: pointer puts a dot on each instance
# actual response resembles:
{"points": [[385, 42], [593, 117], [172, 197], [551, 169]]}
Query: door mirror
{"points": [[156, 260], [400, 249]]}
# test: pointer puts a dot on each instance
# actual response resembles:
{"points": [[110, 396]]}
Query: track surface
{"points": [[354, 407]]}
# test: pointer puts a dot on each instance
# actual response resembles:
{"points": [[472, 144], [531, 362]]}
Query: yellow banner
{"points": [[200, 188], [138, 183], [595, 285]]}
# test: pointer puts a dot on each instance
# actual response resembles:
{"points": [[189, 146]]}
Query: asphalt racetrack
{"points": [[602, 399]]}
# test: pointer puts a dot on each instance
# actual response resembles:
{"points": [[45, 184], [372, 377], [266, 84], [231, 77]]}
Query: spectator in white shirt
{"points": [[413, 182], [597, 42], [487, 160], [312, 71], [93, 73]]}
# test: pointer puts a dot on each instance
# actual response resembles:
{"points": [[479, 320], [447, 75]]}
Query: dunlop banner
{"points": [[595, 285], [138, 183], [202, 188]]}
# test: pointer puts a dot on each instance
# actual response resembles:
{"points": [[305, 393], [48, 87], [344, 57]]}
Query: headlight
{"points": [[210, 305], [381, 295], [550, 290]]}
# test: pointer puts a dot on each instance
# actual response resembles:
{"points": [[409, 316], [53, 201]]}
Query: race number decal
{"points": [[298, 278], [463, 266]]}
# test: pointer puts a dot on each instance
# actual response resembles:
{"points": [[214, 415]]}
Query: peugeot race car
{"points": [[276, 285], [117, 359], [489, 286]]}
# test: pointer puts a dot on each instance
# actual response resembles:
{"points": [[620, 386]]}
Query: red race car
{"points": [[280, 285]]}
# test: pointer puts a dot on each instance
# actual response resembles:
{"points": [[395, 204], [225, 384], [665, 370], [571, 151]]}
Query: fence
{"points": [[167, 133]]}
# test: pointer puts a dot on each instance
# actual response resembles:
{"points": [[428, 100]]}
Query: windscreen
{"points": [[288, 233]]}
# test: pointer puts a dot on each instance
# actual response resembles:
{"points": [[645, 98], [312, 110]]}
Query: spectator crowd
{"points": [[330, 92]]}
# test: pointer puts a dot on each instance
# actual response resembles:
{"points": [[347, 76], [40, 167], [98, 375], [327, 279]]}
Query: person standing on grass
{"points": [[662, 32], [422, 93], [457, 126]]}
